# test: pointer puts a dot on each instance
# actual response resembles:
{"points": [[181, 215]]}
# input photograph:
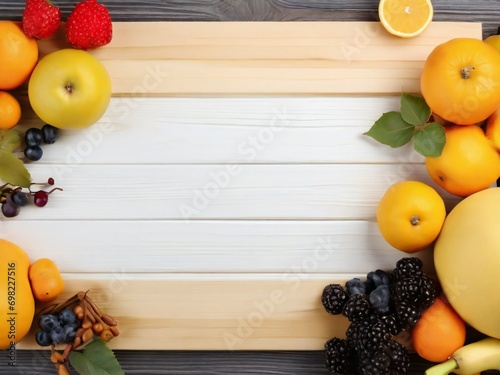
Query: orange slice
{"points": [[405, 18]]}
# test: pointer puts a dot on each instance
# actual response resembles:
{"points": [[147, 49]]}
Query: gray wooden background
{"points": [[212, 363]]}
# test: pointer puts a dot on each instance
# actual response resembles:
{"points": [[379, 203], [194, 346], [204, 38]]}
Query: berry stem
{"points": [[443, 368]]}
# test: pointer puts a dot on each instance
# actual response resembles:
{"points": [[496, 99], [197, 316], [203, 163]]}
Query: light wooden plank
{"points": [[230, 130], [272, 313], [215, 247], [196, 58], [222, 191]]}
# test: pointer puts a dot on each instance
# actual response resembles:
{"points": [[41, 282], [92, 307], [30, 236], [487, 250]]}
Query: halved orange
{"points": [[405, 18]]}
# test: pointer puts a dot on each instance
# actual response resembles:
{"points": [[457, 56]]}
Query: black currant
{"points": [[33, 153], [50, 134], [19, 198], [33, 137]]}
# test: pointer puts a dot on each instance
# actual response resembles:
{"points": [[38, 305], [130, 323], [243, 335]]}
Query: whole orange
{"points": [[439, 332], [492, 129], [460, 80], [10, 110], [468, 163], [410, 215], [18, 55], [45, 280]]}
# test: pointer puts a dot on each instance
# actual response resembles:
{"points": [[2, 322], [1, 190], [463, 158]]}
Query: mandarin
{"points": [[18, 55]]}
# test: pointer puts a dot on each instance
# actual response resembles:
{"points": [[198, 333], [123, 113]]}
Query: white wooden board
{"points": [[184, 214]]}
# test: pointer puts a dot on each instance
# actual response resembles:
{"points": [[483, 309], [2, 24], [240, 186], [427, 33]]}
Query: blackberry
{"points": [[408, 267], [372, 338], [418, 291], [407, 314], [334, 298], [339, 355], [408, 290], [392, 324], [428, 292], [400, 359], [357, 308]]}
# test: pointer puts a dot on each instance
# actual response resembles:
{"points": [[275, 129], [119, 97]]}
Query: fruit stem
{"points": [[465, 72], [414, 220], [443, 368]]}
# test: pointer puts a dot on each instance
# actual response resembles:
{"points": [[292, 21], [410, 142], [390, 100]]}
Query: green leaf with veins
{"points": [[12, 170], [9, 140], [430, 139], [95, 359], [414, 109], [392, 130]]}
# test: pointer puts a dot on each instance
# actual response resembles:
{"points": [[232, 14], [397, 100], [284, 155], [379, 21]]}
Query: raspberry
{"points": [[41, 19], [89, 25]]}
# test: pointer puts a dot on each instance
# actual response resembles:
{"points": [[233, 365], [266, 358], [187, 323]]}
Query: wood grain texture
{"points": [[482, 11], [227, 129], [265, 58]]}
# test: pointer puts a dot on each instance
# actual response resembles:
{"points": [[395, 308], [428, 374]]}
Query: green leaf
{"points": [[430, 139], [9, 140], [12, 170], [414, 109], [96, 359], [390, 129]]}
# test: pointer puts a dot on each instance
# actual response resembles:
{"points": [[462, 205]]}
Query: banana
{"points": [[471, 359]]}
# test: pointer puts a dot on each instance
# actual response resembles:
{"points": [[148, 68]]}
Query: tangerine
{"points": [[468, 163], [439, 332], [410, 215], [10, 111], [460, 80], [18, 54], [46, 280]]}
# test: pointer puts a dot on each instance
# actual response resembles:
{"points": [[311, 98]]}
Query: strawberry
{"points": [[89, 25], [41, 19]]}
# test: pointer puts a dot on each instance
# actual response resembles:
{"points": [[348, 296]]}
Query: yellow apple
{"points": [[69, 88]]}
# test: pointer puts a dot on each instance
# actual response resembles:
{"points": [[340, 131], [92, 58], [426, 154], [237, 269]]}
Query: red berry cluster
{"points": [[12, 198], [88, 26]]}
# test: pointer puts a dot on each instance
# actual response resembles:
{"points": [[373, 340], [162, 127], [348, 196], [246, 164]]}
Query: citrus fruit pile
{"points": [[19, 55]]}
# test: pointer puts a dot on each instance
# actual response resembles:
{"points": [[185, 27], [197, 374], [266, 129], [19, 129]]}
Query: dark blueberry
{"points": [[19, 198], [49, 134], [33, 137], [380, 299], [49, 322], [58, 335], [43, 338], [10, 209], [355, 286], [67, 316], [33, 153], [378, 277], [69, 332]]}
